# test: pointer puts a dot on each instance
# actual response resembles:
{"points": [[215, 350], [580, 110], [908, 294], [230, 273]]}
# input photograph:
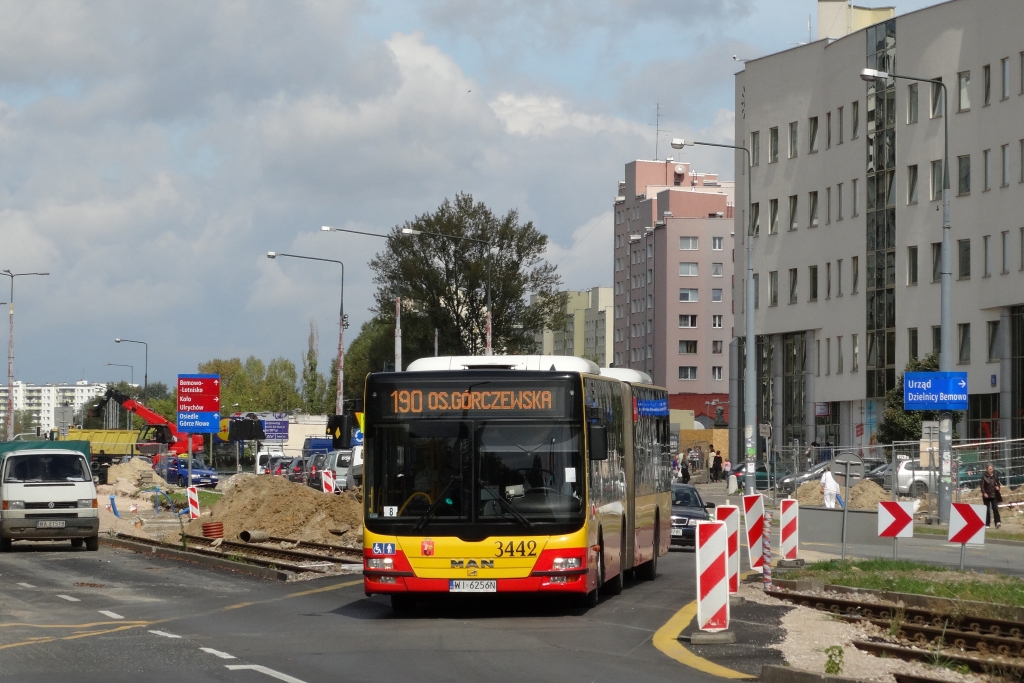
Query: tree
{"points": [[905, 425], [367, 353], [314, 386], [255, 386], [443, 281]]}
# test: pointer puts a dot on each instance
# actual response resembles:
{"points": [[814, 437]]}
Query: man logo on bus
{"points": [[472, 564], [427, 548]]}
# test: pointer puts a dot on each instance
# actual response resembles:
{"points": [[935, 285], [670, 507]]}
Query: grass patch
{"points": [[206, 499], [904, 576], [931, 530]]}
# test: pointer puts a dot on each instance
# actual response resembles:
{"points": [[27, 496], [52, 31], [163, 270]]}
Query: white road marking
{"points": [[68, 598], [217, 653], [112, 615], [165, 634], [264, 670], [26, 585]]}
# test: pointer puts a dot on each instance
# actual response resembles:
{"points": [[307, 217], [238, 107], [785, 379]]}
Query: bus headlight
{"points": [[385, 563], [563, 563]]}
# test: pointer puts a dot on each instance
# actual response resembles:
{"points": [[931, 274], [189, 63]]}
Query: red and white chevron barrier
{"points": [[730, 514], [753, 519], [790, 529], [193, 502], [712, 577], [327, 478]]}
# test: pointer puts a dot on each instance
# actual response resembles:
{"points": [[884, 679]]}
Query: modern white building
{"points": [[847, 216], [41, 399], [587, 332]]}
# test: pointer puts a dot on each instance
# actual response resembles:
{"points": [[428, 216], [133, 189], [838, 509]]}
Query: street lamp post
{"points": [[946, 329], [750, 356], [127, 413], [10, 355], [339, 402], [145, 381]]}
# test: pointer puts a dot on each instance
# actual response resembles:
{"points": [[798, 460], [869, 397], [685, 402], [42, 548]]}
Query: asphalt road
{"points": [[114, 615]]}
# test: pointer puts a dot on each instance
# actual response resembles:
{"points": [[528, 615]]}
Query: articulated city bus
{"points": [[490, 474]]}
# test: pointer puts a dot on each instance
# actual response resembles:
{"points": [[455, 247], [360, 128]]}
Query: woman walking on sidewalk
{"points": [[991, 495]]}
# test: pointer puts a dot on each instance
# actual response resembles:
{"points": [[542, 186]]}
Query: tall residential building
{"points": [[847, 221], [587, 330], [673, 269], [40, 399]]}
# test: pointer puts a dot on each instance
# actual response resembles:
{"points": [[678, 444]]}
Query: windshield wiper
{"points": [[425, 518], [507, 506]]}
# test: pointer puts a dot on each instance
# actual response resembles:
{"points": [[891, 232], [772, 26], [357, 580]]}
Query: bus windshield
{"points": [[476, 472]]}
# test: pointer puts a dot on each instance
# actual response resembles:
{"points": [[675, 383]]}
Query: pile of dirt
{"points": [[132, 472], [284, 508], [866, 495]]}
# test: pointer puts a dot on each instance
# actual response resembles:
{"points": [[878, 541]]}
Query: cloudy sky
{"points": [[152, 153]]}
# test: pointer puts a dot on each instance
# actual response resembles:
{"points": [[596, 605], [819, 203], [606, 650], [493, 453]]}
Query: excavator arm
{"points": [[153, 418]]}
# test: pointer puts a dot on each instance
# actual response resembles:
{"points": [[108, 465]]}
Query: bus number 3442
{"points": [[513, 549]]}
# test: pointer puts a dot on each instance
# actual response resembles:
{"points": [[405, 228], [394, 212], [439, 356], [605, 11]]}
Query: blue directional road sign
{"points": [[935, 391]]}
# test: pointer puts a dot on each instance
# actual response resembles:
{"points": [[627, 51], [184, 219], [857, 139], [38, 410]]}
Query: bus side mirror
{"points": [[597, 440]]}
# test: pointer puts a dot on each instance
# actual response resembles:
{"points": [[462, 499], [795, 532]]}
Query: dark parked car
{"points": [[877, 475], [278, 465], [687, 510], [296, 470]]}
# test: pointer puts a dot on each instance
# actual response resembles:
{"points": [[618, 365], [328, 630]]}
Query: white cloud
{"points": [[536, 115]]}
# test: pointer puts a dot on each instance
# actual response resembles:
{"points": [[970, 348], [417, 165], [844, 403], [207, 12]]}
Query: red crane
{"points": [[158, 430]]}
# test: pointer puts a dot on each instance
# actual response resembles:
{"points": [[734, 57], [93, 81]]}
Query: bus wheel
{"points": [[402, 604], [614, 587], [590, 599], [649, 570]]}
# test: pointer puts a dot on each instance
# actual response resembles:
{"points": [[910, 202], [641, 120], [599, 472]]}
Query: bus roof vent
{"points": [[550, 363], [627, 375]]}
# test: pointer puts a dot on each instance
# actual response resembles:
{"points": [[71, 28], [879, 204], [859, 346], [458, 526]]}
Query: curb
{"points": [[195, 558], [771, 673]]}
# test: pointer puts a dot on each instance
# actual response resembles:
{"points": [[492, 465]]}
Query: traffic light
{"points": [[339, 428]]}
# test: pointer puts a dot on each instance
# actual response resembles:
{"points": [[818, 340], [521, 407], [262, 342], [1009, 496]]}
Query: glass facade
{"points": [[880, 214], [1017, 372], [794, 365]]}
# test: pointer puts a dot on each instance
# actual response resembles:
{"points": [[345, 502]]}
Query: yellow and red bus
{"points": [[491, 475]]}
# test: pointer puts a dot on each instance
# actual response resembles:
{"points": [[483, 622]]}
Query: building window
{"points": [[828, 205], [773, 216], [828, 280], [912, 103], [993, 341], [936, 261], [911, 265], [687, 321], [794, 141], [755, 219], [986, 72], [912, 342], [1022, 73], [757, 290], [716, 372], [839, 121], [937, 99], [855, 357], [828, 356], [839, 277], [688, 295], [755, 148], [773, 145], [1005, 70], [812, 134], [812, 284], [986, 164], [688, 269], [985, 256], [716, 321], [1006, 166], [1022, 161], [856, 182], [963, 248], [855, 123], [687, 372], [936, 180], [963, 80], [855, 263], [717, 270], [964, 174], [688, 243], [839, 355], [716, 243], [828, 130], [773, 288], [793, 212], [1006, 251], [964, 343], [792, 285], [716, 347], [912, 184], [936, 339], [1022, 248], [687, 347], [814, 208], [716, 294], [839, 202]]}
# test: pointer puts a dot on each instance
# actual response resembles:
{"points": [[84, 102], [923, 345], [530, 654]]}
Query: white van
{"points": [[48, 495]]}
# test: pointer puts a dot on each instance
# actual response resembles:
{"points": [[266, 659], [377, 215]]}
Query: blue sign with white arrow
{"points": [[935, 391]]}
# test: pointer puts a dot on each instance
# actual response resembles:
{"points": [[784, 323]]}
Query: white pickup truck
{"points": [[48, 495]]}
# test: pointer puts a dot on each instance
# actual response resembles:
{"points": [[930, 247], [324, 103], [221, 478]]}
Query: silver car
{"points": [[912, 478]]}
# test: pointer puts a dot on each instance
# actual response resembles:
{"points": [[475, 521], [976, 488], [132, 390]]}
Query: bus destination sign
{"points": [[484, 400]]}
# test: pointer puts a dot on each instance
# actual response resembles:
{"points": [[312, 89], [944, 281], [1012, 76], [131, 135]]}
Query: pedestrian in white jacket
{"points": [[829, 487]]}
